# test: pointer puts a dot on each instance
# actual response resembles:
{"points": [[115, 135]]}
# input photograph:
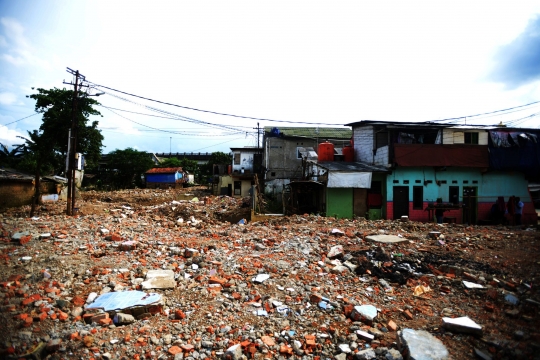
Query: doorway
{"points": [[401, 201], [470, 205]]}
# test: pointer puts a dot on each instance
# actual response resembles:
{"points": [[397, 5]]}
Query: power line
{"points": [[298, 122], [26, 117], [485, 113], [150, 127]]}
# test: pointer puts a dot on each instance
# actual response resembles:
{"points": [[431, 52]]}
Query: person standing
{"points": [[518, 211], [511, 208]]}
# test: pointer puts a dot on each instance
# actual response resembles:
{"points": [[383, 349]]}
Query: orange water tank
{"points": [[348, 153], [326, 152]]}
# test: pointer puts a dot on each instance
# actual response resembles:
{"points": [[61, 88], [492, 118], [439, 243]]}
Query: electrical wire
{"points": [[150, 127], [297, 122], [26, 117]]}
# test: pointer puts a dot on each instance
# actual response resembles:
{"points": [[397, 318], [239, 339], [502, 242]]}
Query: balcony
{"points": [[461, 155]]}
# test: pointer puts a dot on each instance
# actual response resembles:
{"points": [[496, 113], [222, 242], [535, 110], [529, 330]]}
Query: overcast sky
{"points": [[299, 62]]}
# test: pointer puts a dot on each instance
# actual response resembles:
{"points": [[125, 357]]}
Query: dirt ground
{"points": [[319, 269]]}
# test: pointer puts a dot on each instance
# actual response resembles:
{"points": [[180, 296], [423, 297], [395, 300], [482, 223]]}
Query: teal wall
{"points": [[489, 184], [339, 202]]}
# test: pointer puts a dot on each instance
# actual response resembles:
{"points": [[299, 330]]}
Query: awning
{"points": [[349, 180]]}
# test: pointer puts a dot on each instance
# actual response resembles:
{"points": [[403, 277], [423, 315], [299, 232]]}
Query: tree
{"points": [[56, 105], [127, 166], [217, 158], [37, 157], [191, 166], [170, 162]]}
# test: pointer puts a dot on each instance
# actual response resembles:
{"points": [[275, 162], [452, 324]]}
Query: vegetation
{"points": [[217, 158], [126, 167], [56, 105]]}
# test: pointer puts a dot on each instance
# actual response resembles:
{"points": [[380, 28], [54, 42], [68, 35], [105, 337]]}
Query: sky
{"points": [[278, 63]]}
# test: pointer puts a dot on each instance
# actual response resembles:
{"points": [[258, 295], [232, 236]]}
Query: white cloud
{"points": [[9, 137], [19, 49], [7, 98]]}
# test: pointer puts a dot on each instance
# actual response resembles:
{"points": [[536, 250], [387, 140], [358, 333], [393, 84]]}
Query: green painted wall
{"points": [[339, 202]]}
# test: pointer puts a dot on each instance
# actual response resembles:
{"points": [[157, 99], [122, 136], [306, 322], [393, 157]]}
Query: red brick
{"points": [[173, 350], [408, 314], [392, 326]]}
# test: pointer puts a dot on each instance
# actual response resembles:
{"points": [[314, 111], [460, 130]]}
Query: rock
{"points": [[364, 313], [159, 279], [482, 354], [365, 336], [335, 252], [122, 319], [393, 354], [462, 324], [233, 353], [366, 354], [420, 345]]}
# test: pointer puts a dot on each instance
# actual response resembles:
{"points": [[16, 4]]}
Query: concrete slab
{"points": [[386, 238]]}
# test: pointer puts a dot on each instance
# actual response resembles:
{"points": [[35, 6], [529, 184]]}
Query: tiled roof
{"points": [[169, 170], [313, 132]]}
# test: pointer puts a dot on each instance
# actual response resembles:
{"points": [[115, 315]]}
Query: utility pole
{"points": [[72, 148], [70, 210], [258, 132]]}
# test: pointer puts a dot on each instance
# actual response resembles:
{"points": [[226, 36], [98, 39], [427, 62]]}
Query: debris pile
{"points": [[168, 279]]}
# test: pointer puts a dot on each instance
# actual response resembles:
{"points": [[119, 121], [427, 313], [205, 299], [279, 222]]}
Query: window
{"points": [[381, 139], [236, 158], [298, 153], [405, 181], [237, 188], [471, 138], [453, 194], [418, 197]]}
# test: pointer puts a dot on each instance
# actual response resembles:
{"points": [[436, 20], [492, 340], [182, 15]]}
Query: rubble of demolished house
{"points": [[158, 274]]}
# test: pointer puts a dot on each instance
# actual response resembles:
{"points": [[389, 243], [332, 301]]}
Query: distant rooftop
{"points": [[312, 132], [169, 170]]}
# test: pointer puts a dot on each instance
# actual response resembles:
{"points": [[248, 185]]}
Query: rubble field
{"points": [[161, 274]]}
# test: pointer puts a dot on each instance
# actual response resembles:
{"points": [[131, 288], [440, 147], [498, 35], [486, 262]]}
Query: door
{"points": [[401, 201], [470, 205], [360, 202]]}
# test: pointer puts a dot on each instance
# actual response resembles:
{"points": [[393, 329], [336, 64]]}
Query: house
{"points": [[467, 167], [240, 175], [348, 188], [18, 189], [285, 147], [163, 178]]}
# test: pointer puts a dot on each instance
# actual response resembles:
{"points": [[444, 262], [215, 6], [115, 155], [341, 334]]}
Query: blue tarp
{"points": [[123, 300]]}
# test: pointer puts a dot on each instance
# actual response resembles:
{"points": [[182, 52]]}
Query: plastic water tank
{"points": [[326, 151], [348, 153]]}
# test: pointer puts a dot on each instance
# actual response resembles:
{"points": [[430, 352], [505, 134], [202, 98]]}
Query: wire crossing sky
{"points": [[232, 65]]}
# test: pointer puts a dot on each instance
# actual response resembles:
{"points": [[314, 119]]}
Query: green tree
{"points": [[56, 105], [192, 167], [217, 158], [127, 167], [37, 157], [170, 162]]}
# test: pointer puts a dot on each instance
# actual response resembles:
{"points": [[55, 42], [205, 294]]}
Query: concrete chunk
{"points": [[159, 279], [386, 238], [364, 313], [462, 324], [421, 345]]}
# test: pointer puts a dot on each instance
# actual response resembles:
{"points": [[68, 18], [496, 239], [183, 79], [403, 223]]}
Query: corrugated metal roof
{"points": [[169, 170], [350, 166], [313, 132]]}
